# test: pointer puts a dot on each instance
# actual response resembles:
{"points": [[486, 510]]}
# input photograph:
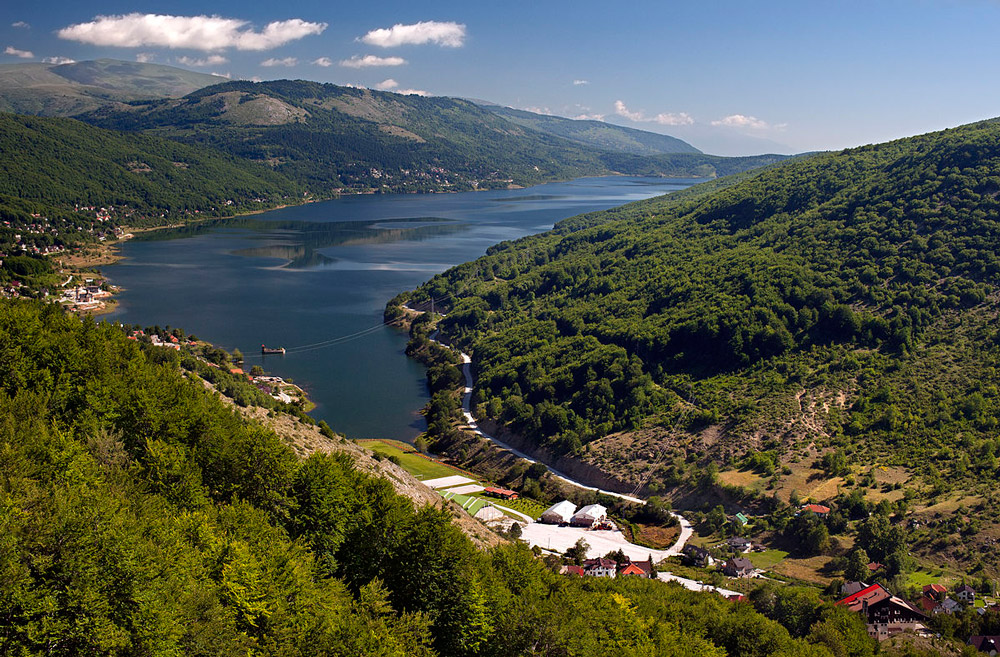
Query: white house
{"points": [[559, 512], [588, 515]]}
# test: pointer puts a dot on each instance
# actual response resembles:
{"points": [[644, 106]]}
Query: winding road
{"points": [[686, 529]]}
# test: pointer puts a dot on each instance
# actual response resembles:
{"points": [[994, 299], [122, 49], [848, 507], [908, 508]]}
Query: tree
{"points": [[578, 552]]}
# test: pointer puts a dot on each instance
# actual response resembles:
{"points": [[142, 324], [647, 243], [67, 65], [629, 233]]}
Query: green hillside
{"points": [[141, 515], [52, 166], [329, 138], [840, 302], [598, 134], [68, 89]]}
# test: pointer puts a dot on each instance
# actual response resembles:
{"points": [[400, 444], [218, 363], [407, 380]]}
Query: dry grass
{"points": [[807, 570]]}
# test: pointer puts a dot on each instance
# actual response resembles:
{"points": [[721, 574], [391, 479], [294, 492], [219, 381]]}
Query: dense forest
{"points": [[141, 515], [329, 138], [864, 279]]}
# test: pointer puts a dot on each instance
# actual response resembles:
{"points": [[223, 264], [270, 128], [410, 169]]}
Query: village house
{"points": [[966, 594], [987, 644], [637, 568], [885, 614], [738, 567], [600, 567], [818, 509], [698, 556], [739, 544]]}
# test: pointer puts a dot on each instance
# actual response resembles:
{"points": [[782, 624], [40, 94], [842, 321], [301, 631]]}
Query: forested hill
{"points": [[843, 300], [598, 134], [65, 162], [329, 138], [51, 167], [139, 515]]}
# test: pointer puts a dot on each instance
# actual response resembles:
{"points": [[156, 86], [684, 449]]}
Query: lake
{"points": [[315, 278]]}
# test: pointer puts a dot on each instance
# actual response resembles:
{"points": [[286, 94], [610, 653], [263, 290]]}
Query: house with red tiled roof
{"points": [[885, 614], [502, 493], [936, 591], [573, 570], [818, 509], [632, 569]]}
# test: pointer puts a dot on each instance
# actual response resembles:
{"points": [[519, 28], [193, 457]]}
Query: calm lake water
{"points": [[319, 275]]}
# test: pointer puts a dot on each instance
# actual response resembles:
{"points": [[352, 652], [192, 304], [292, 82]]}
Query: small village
{"points": [[585, 542]]}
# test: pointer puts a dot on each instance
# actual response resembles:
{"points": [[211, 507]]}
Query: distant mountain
{"points": [[68, 89], [329, 137], [598, 134]]}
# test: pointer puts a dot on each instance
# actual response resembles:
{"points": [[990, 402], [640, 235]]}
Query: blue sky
{"points": [[730, 77]]}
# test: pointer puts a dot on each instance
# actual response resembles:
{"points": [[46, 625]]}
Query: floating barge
{"points": [[272, 350]]}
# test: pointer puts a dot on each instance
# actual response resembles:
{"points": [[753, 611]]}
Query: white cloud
{"points": [[20, 24], [663, 118], [23, 54], [58, 60], [226, 75], [577, 83], [386, 85], [538, 110], [204, 33], [589, 117], [323, 61], [451, 35], [144, 57], [412, 92], [670, 118], [371, 60], [286, 61], [742, 121], [622, 110], [211, 60]]}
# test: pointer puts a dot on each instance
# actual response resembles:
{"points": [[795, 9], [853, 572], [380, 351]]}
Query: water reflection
{"points": [[299, 243]]}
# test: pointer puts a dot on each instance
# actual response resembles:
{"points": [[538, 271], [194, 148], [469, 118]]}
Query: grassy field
{"points": [[531, 508], [470, 504], [767, 559], [925, 576], [411, 460]]}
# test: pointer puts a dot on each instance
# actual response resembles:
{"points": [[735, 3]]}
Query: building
{"points": [[738, 567], [632, 569], [698, 556], [850, 588], [885, 614], [739, 544], [741, 520], [936, 592], [558, 513], [600, 567], [818, 509], [966, 594], [588, 515], [573, 570], [502, 493], [988, 644]]}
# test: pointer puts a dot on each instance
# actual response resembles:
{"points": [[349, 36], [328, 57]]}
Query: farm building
{"points": [[558, 513], [588, 515]]}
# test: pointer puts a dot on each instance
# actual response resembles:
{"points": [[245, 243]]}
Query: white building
{"points": [[588, 515], [559, 512]]}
